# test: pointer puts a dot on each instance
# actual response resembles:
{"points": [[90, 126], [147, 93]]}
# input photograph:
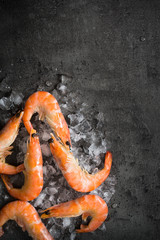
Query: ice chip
{"points": [[5, 103], [73, 236], [45, 136], [16, 98], [41, 88], [62, 89], [46, 150], [75, 118], [48, 83], [66, 222], [83, 127], [55, 232], [51, 190], [102, 227], [39, 200], [65, 78]]}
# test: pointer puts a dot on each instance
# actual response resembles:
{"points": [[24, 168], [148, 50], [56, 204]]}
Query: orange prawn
{"points": [[80, 180], [47, 106], [33, 173], [89, 205], [7, 136], [26, 217]]}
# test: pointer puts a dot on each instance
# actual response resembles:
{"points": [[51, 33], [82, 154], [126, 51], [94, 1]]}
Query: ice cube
{"points": [[55, 232], [16, 98], [66, 222], [75, 118], [62, 89], [48, 83], [73, 236], [83, 127], [45, 136], [51, 198], [51, 190], [102, 227], [5, 103], [48, 171], [114, 205], [65, 78], [39, 201], [46, 150], [41, 88]]}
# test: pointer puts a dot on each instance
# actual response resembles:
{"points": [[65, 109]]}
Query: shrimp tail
{"points": [[20, 168], [108, 161], [7, 182], [6, 152]]}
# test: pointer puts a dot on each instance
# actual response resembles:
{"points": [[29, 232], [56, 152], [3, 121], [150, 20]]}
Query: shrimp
{"points": [[26, 217], [47, 106], [7, 136], [80, 180], [89, 205], [33, 173]]}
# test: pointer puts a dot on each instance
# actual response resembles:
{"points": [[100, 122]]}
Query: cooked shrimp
{"points": [[78, 179], [47, 106], [89, 205], [7, 136], [33, 173], [26, 217]]}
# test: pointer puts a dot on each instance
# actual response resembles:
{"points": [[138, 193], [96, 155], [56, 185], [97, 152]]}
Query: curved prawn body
{"points": [[7, 136], [78, 179], [26, 217], [33, 173], [89, 205], [47, 106]]}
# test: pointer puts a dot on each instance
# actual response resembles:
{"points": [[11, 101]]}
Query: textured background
{"points": [[112, 50]]}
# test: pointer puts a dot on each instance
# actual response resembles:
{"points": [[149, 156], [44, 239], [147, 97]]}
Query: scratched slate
{"points": [[112, 50]]}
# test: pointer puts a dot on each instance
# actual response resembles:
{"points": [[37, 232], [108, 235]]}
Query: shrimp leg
{"points": [[89, 205], [78, 179], [7, 136], [26, 217], [33, 173], [47, 106]]}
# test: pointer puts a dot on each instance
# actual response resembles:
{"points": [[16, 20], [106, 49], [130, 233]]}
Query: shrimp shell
{"points": [[26, 217], [89, 205], [33, 173], [80, 180], [47, 106], [7, 136]]}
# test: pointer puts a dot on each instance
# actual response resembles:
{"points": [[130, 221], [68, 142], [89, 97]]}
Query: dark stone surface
{"points": [[112, 50]]}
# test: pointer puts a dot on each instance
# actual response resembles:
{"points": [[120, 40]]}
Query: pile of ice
{"points": [[9, 101], [89, 145]]}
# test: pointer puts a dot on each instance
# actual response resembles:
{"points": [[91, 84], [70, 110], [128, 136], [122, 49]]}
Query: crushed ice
{"points": [[89, 145]]}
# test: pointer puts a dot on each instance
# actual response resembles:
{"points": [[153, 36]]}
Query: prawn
{"points": [[80, 180], [26, 217], [7, 136], [89, 205], [47, 106], [33, 173]]}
